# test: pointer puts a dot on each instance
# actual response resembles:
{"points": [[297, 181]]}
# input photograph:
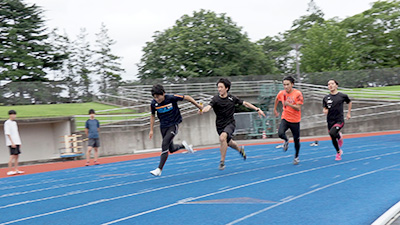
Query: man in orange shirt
{"points": [[292, 100]]}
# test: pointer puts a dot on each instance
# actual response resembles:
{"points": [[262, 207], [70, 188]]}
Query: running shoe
{"points": [[96, 163], [285, 146], [340, 140], [20, 172], [296, 161], [10, 173], [242, 152], [221, 165], [187, 147], [156, 172], [87, 164], [339, 155]]}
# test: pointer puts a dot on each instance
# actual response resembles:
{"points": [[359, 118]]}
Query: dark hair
{"points": [[289, 78], [91, 111], [12, 112], [337, 83], [157, 89], [226, 82]]}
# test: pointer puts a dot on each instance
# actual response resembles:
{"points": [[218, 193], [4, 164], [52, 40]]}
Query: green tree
{"points": [[327, 48], [204, 44], [107, 65], [83, 66], [25, 53], [277, 49], [67, 73], [376, 32], [300, 26]]}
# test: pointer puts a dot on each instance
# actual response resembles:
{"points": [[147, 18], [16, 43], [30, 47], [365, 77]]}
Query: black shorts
{"points": [[94, 142], [229, 129], [338, 124], [15, 151]]}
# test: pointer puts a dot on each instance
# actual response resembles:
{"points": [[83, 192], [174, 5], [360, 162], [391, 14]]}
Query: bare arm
{"points": [[12, 142], [152, 120], [276, 105], [191, 100], [296, 107], [325, 110], [348, 116], [251, 106], [87, 132], [206, 109]]}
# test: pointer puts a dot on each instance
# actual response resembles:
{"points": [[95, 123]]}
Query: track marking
{"points": [[247, 185], [150, 179], [310, 192]]}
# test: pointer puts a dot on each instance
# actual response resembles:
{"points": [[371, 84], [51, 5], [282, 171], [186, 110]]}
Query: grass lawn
{"points": [[389, 92], [54, 110]]}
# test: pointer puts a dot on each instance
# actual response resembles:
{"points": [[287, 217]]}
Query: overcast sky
{"points": [[133, 22]]}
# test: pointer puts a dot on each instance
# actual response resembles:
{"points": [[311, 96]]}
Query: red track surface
{"points": [[46, 167]]}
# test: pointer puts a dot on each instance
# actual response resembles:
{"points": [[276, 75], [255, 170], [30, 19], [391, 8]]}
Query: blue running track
{"points": [[265, 189]]}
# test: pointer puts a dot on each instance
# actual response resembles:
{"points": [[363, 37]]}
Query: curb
{"points": [[389, 216]]}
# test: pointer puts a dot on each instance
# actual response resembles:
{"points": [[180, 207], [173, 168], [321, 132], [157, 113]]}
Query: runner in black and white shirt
{"points": [[333, 108], [224, 107]]}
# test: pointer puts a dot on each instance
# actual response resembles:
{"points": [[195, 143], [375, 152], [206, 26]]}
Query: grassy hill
{"points": [[54, 110]]}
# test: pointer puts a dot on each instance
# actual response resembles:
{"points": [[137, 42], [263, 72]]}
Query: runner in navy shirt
{"points": [[166, 107]]}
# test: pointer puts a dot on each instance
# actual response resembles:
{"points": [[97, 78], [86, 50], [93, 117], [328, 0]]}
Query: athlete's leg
{"points": [[233, 144], [223, 139], [334, 133], [172, 147], [295, 129], [283, 127], [168, 135]]}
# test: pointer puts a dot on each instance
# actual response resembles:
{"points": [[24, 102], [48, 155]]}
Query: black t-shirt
{"points": [[167, 111], [224, 108], [334, 103]]}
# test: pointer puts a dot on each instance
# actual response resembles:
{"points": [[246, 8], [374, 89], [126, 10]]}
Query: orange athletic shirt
{"points": [[296, 98]]}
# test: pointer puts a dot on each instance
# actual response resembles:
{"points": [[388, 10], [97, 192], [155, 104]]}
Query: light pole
{"points": [[296, 47]]}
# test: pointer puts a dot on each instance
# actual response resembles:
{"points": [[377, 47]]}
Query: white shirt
{"points": [[11, 128]]}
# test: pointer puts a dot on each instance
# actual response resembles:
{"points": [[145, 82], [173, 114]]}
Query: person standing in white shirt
{"points": [[13, 141]]}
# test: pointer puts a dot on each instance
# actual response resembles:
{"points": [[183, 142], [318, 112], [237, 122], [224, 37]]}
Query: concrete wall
{"points": [[196, 130], [40, 138]]}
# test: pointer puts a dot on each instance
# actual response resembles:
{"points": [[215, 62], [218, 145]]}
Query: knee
{"points": [[333, 133], [281, 134], [223, 138]]}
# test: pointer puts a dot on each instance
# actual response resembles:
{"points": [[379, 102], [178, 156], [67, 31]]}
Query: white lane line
{"points": [[310, 192], [72, 184], [246, 185], [145, 180]]}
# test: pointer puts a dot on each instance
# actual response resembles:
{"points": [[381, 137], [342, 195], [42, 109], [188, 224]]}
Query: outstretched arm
{"points": [[205, 109], [251, 106], [190, 99]]}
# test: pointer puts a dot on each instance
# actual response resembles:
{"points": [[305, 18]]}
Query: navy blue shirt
{"points": [[167, 111], [92, 125]]}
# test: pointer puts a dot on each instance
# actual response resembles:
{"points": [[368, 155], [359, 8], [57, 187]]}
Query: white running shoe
{"points": [[20, 172], [296, 161], [156, 172], [187, 147], [10, 173]]}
